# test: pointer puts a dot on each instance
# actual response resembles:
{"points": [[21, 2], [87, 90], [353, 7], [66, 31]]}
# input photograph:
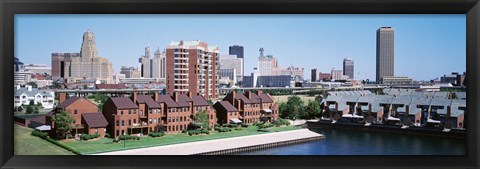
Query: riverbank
{"points": [[417, 131], [223, 146]]}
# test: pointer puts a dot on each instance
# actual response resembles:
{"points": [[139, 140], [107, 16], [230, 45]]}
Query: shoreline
{"points": [[226, 145]]}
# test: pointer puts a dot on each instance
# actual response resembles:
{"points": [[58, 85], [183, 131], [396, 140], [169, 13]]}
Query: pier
{"points": [[228, 145]]}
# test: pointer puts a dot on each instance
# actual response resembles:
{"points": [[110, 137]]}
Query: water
{"points": [[346, 142]]}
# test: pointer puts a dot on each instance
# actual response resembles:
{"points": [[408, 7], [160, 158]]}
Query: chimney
{"points": [[175, 96], [248, 94], [407, 110], [18, 87], [259, 92], [155, 96], [62, 97], [448, 122], [134, 97], [233, 96], [29, 88], [189, 94]]}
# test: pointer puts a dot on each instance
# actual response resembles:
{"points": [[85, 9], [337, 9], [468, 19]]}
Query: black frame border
{"points": [[9, 8]]}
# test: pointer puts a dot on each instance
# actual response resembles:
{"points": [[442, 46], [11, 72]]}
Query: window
{"points": [[169, 120], [150, 111], [135, 111], [123, 123], [118, 133], [117, 123], [96, 131], [121, 112], [134, 121], [181, 127], [129, 122], [129, 111], [155, 121], [75, 111], [150, 121], [185, 118]]}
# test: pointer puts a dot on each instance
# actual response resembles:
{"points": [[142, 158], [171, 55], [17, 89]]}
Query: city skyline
{"points": [[419, 39]]}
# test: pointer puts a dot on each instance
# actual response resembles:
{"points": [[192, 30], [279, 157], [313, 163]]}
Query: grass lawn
{"points": [[106, 144], [26, 144]]}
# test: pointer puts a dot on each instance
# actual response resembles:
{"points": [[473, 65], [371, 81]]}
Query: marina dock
{"points": [[228, 145]]}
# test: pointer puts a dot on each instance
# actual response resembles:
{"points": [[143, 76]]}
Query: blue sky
{"points": [[426, 46]]}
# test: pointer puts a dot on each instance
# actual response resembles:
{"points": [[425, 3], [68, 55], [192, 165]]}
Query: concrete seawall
{"points": [[228, 145]]}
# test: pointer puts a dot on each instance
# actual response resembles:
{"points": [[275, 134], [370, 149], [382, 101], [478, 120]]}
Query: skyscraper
{"points": [[145, 64], [75, 67], [385, 53], [232, 62], [266, 64], [348, 67], [158, 64], [192, 67], [238, 50], [314, 75]]}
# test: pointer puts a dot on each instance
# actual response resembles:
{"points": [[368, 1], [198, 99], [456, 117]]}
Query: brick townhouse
{"points": [[252, 107]]}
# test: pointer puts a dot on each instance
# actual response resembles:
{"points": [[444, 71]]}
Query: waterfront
{"points": [[346, 142]]}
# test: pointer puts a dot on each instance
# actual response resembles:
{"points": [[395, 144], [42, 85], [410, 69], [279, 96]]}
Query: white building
{"points": [[232, 62], [23, 96], [266, 64], [338, 75], [38, 68], [293, 71], [158, 65]]}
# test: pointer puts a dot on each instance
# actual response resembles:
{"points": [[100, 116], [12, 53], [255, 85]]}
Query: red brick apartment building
{"points": [[192, 67], [142, 114], [252, 107], [87, 118]]}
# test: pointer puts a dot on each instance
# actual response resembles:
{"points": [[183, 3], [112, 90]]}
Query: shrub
{"points": [[238, 128], [245, 125], [280, 122], [39, 134], [184, 131], [216, 128], [265, 125], [129, 137], [89, 136], [257, 123], [62, 145], [107, 135], [157, 134], [263, 130], [116, 140], [216, 125], [224, 129]]}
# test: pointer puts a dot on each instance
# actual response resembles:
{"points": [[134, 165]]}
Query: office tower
{"points": [[130, 72], [266, 64], [192, 67], [74, 67], [158, 64], [313, 77], [338, 75], [348, 67], [232, 62], [385, 53], [238, 50], [145, 64]]}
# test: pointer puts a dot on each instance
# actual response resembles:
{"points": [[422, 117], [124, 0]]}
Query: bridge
{"points": [[305, 89]]}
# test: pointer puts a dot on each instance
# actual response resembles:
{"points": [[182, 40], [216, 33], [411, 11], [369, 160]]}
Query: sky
{"points": [[426, 46]]}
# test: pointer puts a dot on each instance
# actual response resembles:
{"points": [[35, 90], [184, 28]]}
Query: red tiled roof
{"points": [[95, 119], [242, 97], [266, 98], [147, 99], [199, 101], [123, 103], [183, 100], [226, 106], [254, 98], [167, 99], [40, 119], [69, 101]]}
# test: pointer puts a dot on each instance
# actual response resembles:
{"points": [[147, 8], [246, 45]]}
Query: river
{"points": [[346, 142]]}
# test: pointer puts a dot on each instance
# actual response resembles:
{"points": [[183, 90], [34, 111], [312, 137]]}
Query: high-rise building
{"points": [[158, 65], [338, 75], [266, 64], [145, 64], [313, 77], [192, 67], [59, 61], [87, 66], [238, 50], [385, 53], [232, 62], [348, 67], [292, 71]]}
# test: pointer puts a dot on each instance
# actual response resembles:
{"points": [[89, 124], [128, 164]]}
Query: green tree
{"points": [[201, 118], [56, 85], [63, 123], [295, 108], [282, 109], [39, 105], [31, 103], [312, 110], [36, 110], [29, 109], [33, 84], [210, 102]]}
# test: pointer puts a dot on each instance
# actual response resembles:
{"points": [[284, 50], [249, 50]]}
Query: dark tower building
{"points": [[385, 54], [314, 75], [348, 67]]}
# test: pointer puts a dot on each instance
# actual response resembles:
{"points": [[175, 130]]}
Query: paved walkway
{"points": [[219, 144]]}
